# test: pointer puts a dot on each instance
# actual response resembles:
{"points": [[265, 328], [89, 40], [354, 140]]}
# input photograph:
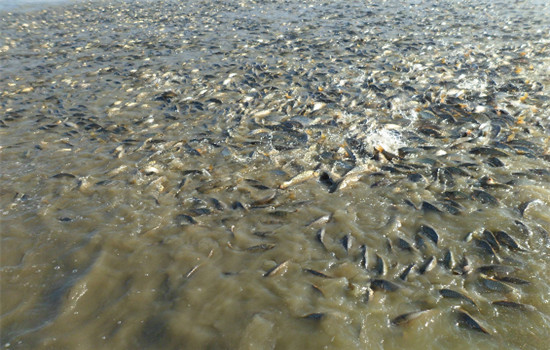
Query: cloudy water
{"points": [[275, 175]]}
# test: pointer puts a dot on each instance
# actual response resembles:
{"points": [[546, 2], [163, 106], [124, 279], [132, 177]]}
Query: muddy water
{"points": [[275, 175]]}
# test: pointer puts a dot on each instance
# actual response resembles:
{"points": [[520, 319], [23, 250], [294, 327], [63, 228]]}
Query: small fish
{"points": [[494, 285], [317, 316], [514, 305], [512, 280], [430, 233], [407, 317], [238, 205], [449, 293], [484, 197], [320, 220], [302, 177], [364, 256], [506, 240], [403, 275], [467, 321], [491, 239], [347, 242], [485, 246], [260, 248], [495, 269], [403, 244], [316, 273], [63, 176], [384, 285], [368, 295], [326, 180], [379, 266], [427, 265], [447, 260], [265, 200], [183, 219], [429, 207], [463, 267], [279, 269]]}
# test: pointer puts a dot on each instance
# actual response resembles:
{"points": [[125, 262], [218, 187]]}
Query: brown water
{"points": [[232, 175]]}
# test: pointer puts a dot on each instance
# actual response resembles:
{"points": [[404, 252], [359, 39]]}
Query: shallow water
{"points": [[232, 175]]}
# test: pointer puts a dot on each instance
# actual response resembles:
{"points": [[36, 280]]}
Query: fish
{"points": [[429, 233], [514, 305], [427, 265], [302, 177], [449, 293], [278, 269], [464, 319], [493, 285], [317, 316], [405, 318], [384, 285], [316, 273], [403, 275], [322, 220]]}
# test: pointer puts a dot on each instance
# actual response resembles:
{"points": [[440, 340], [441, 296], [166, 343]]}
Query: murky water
{"points": [[275, 175]]}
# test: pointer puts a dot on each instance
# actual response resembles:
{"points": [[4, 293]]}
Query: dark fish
{"points": [[316, 273], [491, 239], [347, 242], [403, 275], [506, 240], [419, 242], [183, 219], [430, 233], [384, 285], [451, 209], [65, 219], [514, 305], [217, 204], [364, 256], [428, 207], [485, 246], [326, 180], [484, 197], [449, 293], [415, 177], [465, 320], [523, 228], [495, 162], [237, 205], [488, 151], [447, 261], [199, 211], [513, 280], [320, 235], [318, 316], [403, 244], [409, 203], [380, 266], [427, 265], [495, 269], [494, 285], [407, 317], [261, 247], [63, 176]]}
